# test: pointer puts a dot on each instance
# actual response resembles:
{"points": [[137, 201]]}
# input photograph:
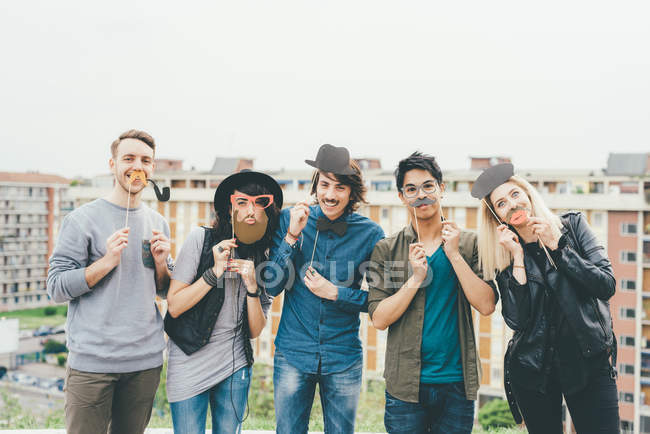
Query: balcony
{"points": [[645, 314], [41, 265], [25, 225], [10, 280], [10, 252]]}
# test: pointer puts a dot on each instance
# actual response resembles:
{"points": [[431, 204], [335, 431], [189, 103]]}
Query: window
{"points": [[626, 369], [627, 256], [628, 285], [462, 186], [564, 187], [629, 187], [380, 185], [597, 218], [627, 426], [628, 229], [460, 216], [496, 374], [625, 397], [627, 341], [596, 187], [627, 313]]}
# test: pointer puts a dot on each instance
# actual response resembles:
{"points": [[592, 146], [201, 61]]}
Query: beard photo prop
{"points": [[249, 233]]}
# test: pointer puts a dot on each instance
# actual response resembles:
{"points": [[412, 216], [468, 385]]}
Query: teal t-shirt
{"points": [[441, 361]]}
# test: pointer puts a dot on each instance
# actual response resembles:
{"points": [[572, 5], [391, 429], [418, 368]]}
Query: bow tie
{"points": [[338, 227]]}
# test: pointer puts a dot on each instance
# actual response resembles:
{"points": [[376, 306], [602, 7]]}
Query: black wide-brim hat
{"points": [[246, 176], [332, 159]]}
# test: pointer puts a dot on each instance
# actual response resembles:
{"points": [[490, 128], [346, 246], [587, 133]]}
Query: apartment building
{"points": [[31, 208]]}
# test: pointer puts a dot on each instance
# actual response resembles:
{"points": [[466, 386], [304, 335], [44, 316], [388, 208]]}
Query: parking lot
{"points": [[45, 377]]}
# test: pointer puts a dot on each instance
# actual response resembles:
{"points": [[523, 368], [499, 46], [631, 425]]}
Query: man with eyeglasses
{"points": [[422, 282]]}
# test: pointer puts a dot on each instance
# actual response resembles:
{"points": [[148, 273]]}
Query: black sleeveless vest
{"points": [[191, 330]]}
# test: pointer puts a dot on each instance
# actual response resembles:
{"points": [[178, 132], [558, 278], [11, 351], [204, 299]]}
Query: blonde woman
{"points": [[555, 281]]}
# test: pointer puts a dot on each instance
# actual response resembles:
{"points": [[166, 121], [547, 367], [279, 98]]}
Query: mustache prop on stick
{"points": [[139, 175], [415, 204]]}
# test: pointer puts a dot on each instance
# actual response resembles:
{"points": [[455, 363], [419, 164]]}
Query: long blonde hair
{"points": [[492, 257]]}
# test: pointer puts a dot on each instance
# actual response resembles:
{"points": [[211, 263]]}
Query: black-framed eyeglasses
{"points": [[411, 191]]}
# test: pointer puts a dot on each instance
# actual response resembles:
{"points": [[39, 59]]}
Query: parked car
{"points": [[24, 334], [60, 382], [24, 379], [43, 331], [29, 380], [51, 383], [58, 329], [16, 376]]}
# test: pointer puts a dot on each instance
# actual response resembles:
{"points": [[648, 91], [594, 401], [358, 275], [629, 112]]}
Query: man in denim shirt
{"points": [[318, 338]]}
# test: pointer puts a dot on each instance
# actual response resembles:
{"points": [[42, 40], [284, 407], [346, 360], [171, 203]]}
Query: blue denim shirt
{"points": [[315, 330]]}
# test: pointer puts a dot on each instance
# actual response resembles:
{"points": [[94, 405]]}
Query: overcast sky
{"points": [[551, 84]]}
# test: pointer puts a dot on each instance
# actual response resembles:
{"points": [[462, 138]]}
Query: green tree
{"points": [[496, 414], [49, 311], [54, 347]]}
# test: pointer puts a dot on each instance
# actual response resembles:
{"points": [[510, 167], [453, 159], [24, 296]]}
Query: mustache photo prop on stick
{"points": [[420, 202], [491, 178], [423, 201], [415, 204], [140, 175]]}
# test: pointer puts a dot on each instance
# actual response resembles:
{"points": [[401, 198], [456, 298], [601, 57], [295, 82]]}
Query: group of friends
{"points": [[112, 258]]}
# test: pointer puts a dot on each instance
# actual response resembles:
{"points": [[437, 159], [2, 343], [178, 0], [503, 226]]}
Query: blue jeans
{"points": [[294, 395], [227, 409], [443, 409]]}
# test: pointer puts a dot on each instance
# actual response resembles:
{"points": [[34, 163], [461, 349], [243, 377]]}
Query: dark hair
{"points": [[133, 134], [355, 182], [417, 160], [223, 225]]}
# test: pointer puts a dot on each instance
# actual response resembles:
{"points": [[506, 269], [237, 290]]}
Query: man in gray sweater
{"points": [[109, 273]]}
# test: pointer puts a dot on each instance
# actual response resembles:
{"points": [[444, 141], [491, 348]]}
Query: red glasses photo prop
{"points": [[241, 200]]}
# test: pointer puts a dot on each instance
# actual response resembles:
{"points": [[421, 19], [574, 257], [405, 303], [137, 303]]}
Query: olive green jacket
{"points": [[389, 269]]}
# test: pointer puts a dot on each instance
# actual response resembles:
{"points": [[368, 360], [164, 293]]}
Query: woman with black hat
{"points": [[555, 281], [216, 304]]}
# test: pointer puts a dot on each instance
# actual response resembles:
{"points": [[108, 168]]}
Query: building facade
{"points": [[31, 208]]}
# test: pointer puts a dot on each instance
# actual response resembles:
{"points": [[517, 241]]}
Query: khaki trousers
{"points": [[109, 403]]}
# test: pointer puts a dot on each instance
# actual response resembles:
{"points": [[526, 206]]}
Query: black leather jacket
{"points": [[582, 285]]}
